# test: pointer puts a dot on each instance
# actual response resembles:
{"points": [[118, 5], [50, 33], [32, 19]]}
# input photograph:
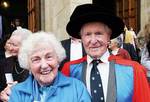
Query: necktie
{"points": [[96, 83]]}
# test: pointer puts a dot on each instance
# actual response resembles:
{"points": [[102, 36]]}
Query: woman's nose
{"points": [[44, 64]]}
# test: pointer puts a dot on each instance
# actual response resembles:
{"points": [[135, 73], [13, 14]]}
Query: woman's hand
{"points": [[4, 95]]}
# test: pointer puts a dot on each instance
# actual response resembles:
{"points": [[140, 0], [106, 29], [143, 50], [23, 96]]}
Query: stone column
{"points": [[55, 15], [145, 12]]}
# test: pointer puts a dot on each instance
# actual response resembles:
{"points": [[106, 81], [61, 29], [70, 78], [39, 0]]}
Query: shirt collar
{"points": [[115, 52], [103, 58], [60, 81]]}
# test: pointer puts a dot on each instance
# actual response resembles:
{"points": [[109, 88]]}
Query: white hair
{"points": [[22, 32], [28, 46], [118, 41]]}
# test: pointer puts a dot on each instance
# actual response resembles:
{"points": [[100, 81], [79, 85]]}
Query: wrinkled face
{"points": [[112, 44], [13, 44], [43, 63], [95, 37]]}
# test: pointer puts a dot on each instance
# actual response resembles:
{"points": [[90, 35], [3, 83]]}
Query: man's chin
{"points": [[95, 55]]}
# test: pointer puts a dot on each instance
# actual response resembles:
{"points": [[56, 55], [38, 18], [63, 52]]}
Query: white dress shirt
{"points": [[103, 69], [76, 50]]}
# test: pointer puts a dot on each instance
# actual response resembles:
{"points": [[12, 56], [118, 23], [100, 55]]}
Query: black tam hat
{"points": [[92, 13]]}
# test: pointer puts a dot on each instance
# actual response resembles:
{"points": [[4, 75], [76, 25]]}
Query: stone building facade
{"points": [[145, 12], [55, 14]]}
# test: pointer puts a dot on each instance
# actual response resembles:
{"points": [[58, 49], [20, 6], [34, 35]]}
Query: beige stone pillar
{"points": [[145, 12], [56, 13]]}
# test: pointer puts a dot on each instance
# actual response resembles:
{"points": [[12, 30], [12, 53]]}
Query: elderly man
{"points": [[107, 78]]}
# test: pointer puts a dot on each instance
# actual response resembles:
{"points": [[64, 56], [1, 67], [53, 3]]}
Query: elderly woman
{"points": [[10, 71], [115, 47], [45, 83], [143, 42]]}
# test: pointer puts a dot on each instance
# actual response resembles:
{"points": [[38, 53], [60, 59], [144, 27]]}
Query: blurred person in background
{"points": [[129, 47], [130, 36], [74, 49], [143, 42], [15, 23], [115, 47], [11, 73]]}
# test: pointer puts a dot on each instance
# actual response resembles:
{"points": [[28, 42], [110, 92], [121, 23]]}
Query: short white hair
{"points": [[22, 32], [28, 46]]}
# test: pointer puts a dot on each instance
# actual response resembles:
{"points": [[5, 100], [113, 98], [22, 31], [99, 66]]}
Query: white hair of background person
{"points": [[118, 41], [22, 32], [28, 46]]}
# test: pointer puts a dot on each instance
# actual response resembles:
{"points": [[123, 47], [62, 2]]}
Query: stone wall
{"points": [[55, 15], [145, 12]]}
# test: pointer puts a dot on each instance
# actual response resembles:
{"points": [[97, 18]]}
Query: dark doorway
{"points": [[129, 11], [17, 9]]}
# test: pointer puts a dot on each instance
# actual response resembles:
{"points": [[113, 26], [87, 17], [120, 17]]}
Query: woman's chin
{"points": [[47, 79]]}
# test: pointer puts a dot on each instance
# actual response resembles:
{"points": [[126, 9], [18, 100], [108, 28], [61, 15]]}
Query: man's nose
{"points": [[10, 47], [93, 39]]}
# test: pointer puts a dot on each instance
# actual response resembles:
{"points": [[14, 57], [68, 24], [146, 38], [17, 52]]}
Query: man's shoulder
{"points": [[81, 60], [119, 60], [66, 68], [134, 64]]}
